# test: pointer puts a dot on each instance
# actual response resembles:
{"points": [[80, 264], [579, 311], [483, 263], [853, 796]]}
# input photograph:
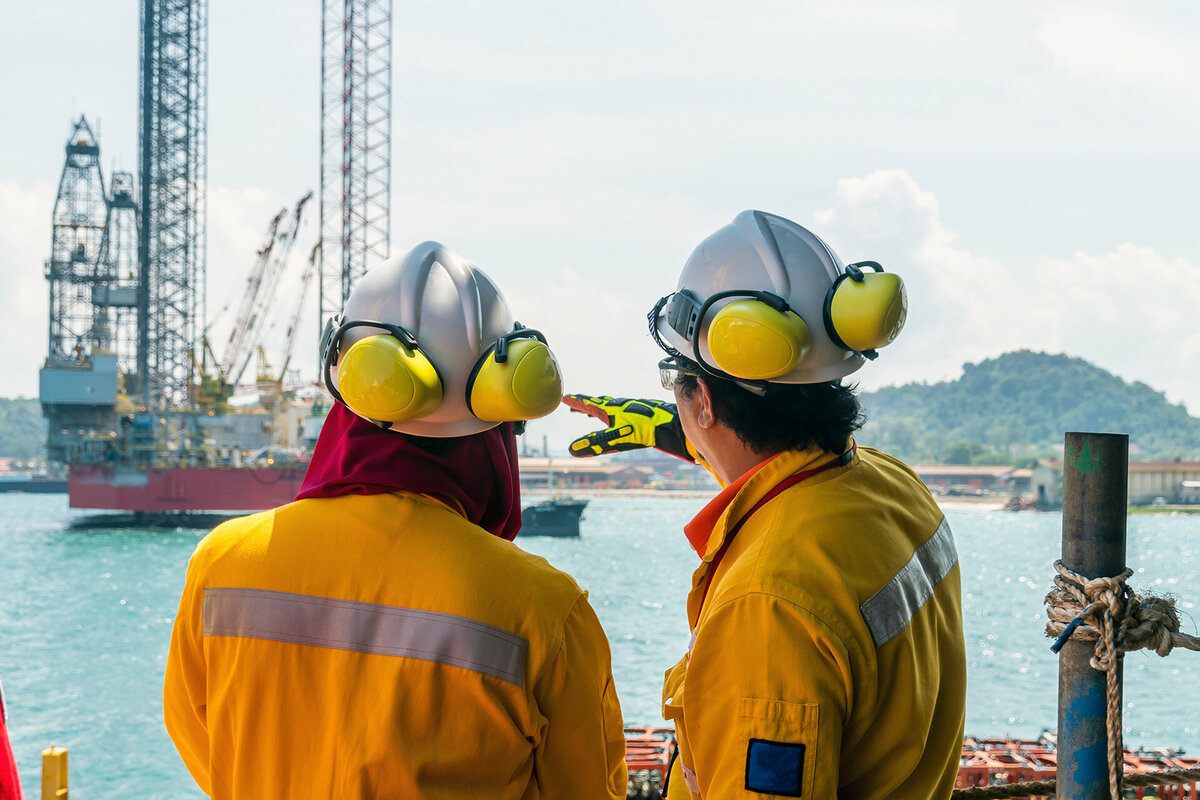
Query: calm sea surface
{"points": [[85, 619]]}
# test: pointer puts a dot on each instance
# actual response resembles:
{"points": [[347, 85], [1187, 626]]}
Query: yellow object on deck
{"points": [[54, 773]]}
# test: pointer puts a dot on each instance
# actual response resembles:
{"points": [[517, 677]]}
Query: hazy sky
{"points": [[1029, 168]]}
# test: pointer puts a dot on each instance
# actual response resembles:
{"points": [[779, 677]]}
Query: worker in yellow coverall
{"points": [[826, 657], [381, 636]]}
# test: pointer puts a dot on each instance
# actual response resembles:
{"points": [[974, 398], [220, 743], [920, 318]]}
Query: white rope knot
{"points": [[1088, 609], [1093, 609]]}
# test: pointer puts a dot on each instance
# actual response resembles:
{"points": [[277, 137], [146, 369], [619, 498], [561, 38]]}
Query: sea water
{"points": [[86, 612]]}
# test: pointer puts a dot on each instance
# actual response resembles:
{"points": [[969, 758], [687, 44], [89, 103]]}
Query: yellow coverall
{"points": [[381, 646], [827, 659]]}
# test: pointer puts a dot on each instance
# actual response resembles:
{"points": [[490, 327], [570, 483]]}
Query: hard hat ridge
{"points": [[472, 287]]}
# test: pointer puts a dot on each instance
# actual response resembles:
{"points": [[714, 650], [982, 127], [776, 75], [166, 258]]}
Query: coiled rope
{"points": [[1109, 612]]}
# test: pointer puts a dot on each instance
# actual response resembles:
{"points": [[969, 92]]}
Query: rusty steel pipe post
{"points": [[1095, 495]]}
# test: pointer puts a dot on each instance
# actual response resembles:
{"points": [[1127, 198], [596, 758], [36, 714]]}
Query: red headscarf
{"points": [[476, 472]]}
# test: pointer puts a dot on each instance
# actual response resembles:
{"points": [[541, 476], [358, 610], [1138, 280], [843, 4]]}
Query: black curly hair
{"points": [[788, 416]]}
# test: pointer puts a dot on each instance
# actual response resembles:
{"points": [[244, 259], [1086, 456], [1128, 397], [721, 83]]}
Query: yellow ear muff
{"points": [[381, 378], [750, 339], [866, 314], [527, 385]]}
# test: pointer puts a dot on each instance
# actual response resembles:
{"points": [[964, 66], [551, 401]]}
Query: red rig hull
{"points": [[168, 489]]}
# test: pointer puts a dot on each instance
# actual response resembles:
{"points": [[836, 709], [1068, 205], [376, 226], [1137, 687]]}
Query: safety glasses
{"points": [[670, 372]]}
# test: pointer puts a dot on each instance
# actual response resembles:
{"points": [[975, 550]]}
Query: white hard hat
{"points": [[427, 345], [765, 300]]}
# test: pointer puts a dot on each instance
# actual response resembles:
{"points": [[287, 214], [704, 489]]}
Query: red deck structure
{"points": [[167, 489], [985, 762]]}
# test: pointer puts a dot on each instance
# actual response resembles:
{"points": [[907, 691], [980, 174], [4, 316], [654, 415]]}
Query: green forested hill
{"points": [[1009, 409], [22, 428]]}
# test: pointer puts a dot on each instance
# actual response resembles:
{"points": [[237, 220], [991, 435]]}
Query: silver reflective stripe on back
{"points": [[365, 628], [889, 610]]}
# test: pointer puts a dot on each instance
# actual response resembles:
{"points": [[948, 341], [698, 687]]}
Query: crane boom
{"points": [[314, 258], [238, 337], [269, 283]]}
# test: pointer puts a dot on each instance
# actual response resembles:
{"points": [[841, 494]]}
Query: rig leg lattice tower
{"points": [[172, 152], [356, 128], [117, 303], [78, 383]]}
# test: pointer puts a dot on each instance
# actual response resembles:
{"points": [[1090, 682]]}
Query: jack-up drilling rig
{"points": [[131, 406]]}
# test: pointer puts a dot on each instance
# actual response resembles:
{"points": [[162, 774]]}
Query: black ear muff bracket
{"points": [[854, 272], [508, 393], [500, 348]]}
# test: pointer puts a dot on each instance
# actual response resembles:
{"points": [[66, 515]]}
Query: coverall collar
{"points": [[478, 473], [708, 529]]}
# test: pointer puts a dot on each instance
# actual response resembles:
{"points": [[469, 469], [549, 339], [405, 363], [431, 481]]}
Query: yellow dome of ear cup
{"points": [[750, 339], [868, 314], [380, 378], [526, 386]]}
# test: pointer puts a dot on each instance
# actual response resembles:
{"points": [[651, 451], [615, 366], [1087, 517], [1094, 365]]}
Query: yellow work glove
{"points": [[632, 424]]}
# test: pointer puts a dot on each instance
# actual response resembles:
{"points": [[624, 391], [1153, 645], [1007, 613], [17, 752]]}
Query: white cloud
{"points": [[1130, 311], [953, 313]]}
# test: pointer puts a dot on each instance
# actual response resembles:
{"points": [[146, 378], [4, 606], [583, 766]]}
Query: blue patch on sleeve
{"points": [[774, 768]]}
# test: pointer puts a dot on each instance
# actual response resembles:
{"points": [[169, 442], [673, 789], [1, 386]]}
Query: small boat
{"points": [[558, 516]]}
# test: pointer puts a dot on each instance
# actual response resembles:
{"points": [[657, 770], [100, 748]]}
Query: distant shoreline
{"points": [[954, 503], [594, 493]]}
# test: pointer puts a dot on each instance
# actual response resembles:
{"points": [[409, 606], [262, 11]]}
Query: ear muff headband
{"points": [[517, 379], [385, 378], [865, 311]]}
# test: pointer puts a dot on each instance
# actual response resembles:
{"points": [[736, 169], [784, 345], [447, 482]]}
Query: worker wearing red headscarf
{"points": [[381, 636]]}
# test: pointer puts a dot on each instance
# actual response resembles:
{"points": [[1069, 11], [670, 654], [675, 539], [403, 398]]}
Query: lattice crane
{"points": [[253, 320], [239, 337]]}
